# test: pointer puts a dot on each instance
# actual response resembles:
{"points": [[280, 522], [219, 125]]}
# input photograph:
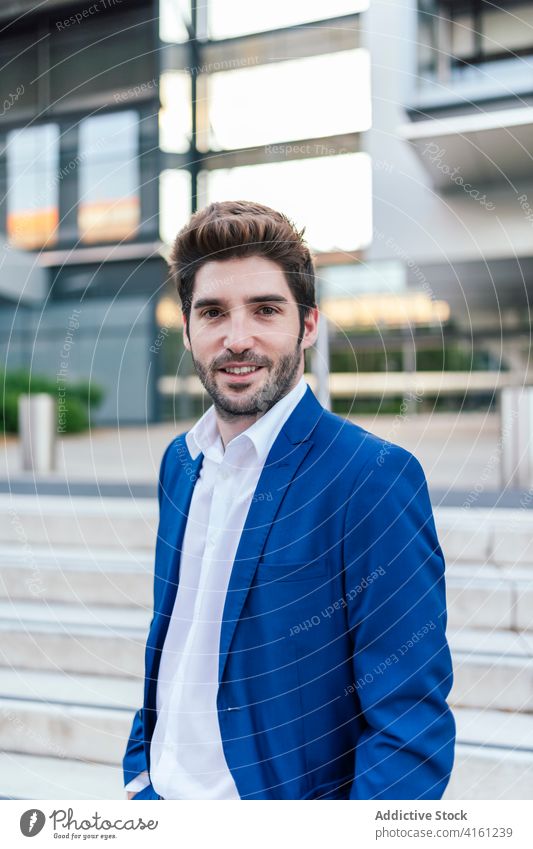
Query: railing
{"points": [[379, 384]]}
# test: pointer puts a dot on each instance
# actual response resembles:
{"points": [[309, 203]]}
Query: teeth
{"points": [[241, 370]]}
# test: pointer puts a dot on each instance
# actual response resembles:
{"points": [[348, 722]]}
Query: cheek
{"points": [[205, 341], [281, 339]]}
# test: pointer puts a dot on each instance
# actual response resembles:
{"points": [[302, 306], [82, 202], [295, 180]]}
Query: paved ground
{"points": [[460, 454]]}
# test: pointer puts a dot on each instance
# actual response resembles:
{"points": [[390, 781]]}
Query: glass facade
{"points": [[174, 19], [118, 127], [175, 202], [175, 116], [299, 99], [274, 114], [456, 36], [229, 18], [32, 155], [318, 193], [109, 204]]}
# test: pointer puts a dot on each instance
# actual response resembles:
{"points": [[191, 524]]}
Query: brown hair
{"points": [[240, 228]]}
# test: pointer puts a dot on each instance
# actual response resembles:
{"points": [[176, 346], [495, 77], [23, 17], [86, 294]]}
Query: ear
{"points": [[310, 328], [186, 341]]}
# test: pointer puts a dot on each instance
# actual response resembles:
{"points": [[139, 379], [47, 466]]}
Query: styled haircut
{"points": [[240, 228]]}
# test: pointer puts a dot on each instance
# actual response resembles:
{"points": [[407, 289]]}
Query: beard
{"points": [[279, 382]]}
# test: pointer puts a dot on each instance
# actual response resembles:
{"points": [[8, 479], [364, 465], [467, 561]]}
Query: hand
{"points": [[130, 795]]}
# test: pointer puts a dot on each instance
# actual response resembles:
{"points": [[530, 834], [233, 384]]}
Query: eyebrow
{"points": [[257, 299]]}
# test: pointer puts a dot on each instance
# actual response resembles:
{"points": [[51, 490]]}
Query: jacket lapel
{"points": [[169, 543], [285, 457]]}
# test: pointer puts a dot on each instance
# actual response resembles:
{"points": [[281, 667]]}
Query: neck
{"points": [[229, 429]]}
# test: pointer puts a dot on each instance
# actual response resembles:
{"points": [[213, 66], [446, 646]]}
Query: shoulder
{"points": [[362, 452]]}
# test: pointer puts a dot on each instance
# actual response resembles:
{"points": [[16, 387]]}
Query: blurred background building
{"points": [[398, 134]]}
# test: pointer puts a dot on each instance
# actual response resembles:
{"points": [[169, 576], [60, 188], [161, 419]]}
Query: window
{"points": [[329, 195], [228, 18], [510, 29], [109, 206], [174, 16], [175, 203], [175, 119], [33, 186], [456, 36], [305, 98]]}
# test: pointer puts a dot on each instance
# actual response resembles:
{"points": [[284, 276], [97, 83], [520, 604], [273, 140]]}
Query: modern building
{"points": [[118, 118], [451, 142]]}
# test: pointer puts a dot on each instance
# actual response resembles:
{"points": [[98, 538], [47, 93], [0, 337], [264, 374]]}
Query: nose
{"points": [[238, 337]]}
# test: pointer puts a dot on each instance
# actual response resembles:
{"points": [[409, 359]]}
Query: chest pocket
{"points": [[273, 570]]}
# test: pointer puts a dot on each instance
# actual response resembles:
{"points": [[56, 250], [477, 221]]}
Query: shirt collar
{"points": [[204, 436]]}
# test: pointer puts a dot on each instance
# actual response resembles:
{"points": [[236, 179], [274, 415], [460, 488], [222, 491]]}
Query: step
{"points": [[485, 727], [58, 617], [492, 669], [98, 735], [102, 576], [34, 777], [500, 536], [88, 718], [494, 755], [490, 773], [120, 523], [496, 535], [479, 773], [506, 644], [71, 689], [97, 639], [485, 596], [478, 595]]}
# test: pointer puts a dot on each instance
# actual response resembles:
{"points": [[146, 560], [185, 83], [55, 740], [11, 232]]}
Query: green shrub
{"points": [[79, 397], [75, 418]]}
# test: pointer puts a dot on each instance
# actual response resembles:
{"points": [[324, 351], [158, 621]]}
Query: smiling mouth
{"points": [[240, 374], [240, 370]]}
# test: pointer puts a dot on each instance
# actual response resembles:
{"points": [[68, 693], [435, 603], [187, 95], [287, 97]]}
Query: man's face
{"points": [[244, 316]]}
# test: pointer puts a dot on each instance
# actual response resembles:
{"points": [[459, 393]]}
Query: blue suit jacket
{"points": [[334, 666]]}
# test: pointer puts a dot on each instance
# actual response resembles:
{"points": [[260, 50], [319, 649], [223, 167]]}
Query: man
{"points": [[297, 648]]}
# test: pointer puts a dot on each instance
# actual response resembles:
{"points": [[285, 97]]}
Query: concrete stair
{"points": [[494, 755], [34, 777], [75, 605]]}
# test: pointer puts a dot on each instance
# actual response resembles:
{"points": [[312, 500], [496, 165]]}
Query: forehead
{"points": [[234, 280]]}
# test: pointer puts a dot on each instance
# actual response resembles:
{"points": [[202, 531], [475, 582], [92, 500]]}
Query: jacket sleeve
{"points": [[402, 671], [134, 761]]}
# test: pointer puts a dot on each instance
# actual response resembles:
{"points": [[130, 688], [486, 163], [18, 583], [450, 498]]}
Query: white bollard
{"points": [[516, 436], [37, 430]]}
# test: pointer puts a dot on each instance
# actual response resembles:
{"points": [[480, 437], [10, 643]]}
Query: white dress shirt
{"points": [[187, 758]]}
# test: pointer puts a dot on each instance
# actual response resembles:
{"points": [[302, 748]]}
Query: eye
{"points": [[273, 311], [206, 314]]}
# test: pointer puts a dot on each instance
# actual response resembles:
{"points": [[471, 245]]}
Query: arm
{"points": [[401, 662]]}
